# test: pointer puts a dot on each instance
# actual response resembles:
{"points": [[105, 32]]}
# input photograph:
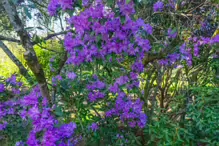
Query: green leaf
{"points": [[29, 28], [122, 18], [128, 1], [110, 2], [58, 111]]}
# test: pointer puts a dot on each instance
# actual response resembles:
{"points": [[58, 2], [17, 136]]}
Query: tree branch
{"points": [[22, 69], [3, 38], [54, 35]]}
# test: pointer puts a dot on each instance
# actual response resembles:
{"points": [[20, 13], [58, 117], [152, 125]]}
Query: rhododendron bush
{"points": [[121, 75]]}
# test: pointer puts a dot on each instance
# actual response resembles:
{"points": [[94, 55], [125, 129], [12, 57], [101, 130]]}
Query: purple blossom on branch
{"points": [[72, 75], [2, 88], [158, 6], [55, 4], [94, 127], [66, 4], [52, 7], [171, 34]]}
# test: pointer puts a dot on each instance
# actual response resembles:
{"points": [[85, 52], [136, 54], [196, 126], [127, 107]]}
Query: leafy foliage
{"points": [[121, 77]]}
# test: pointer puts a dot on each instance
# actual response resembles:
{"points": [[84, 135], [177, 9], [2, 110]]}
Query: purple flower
{"points": [[52, 7], [196, 51], [100, 85], [2, 88], [158, 6], [15, 91], [95, 77], [85, 3], [138, 67], [144, 44], [20, 143], [59, 77], [80, 23], [96, 85], [183, 48], [55, 4], [163, 62], [72, 75], [69, 42], [133, 76], [67, 130], [66, 4], [50, 137], [34, 113], [215, 39], [32, 98], [132, 124], [94, 127], [171, 34], [32, 140], [12, 80], [126, 9], [52, 59], [128, 111], [143, 120], [23, 114], [114, 88], [173, 58], [122, 80], [148, 28], [119, 136], [95, 96], [3, 126]]}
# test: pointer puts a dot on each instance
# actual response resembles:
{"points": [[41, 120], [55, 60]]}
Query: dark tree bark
{"points": [[22, 69], [29, 55]]}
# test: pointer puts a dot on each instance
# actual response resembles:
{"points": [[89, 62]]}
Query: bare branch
{"points": [[54, 35], [3, 38], [22, 69]]}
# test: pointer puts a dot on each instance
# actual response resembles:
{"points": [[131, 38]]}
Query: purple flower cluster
{"points": [[94, 89], [100, 34], [96, 85], [94, 127], [72, 75], [8, 108], [126, 9], [194, 45], [12, 84], [188, 49], [186, 54], [2, 88], [171, 34], [3, 126], [54, 5], [30, 107], [12, 80], [95, 95], [158, 6], [128, 111], [56, 79], [85, 3]]}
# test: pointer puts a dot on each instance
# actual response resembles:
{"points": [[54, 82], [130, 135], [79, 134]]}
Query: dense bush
{"points": [[127, 79]]}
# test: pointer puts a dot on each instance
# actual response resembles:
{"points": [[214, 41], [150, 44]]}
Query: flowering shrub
{"points": [[100, 87]]}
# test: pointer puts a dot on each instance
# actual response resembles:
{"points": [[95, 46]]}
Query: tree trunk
{"points": [[29, 55]]}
